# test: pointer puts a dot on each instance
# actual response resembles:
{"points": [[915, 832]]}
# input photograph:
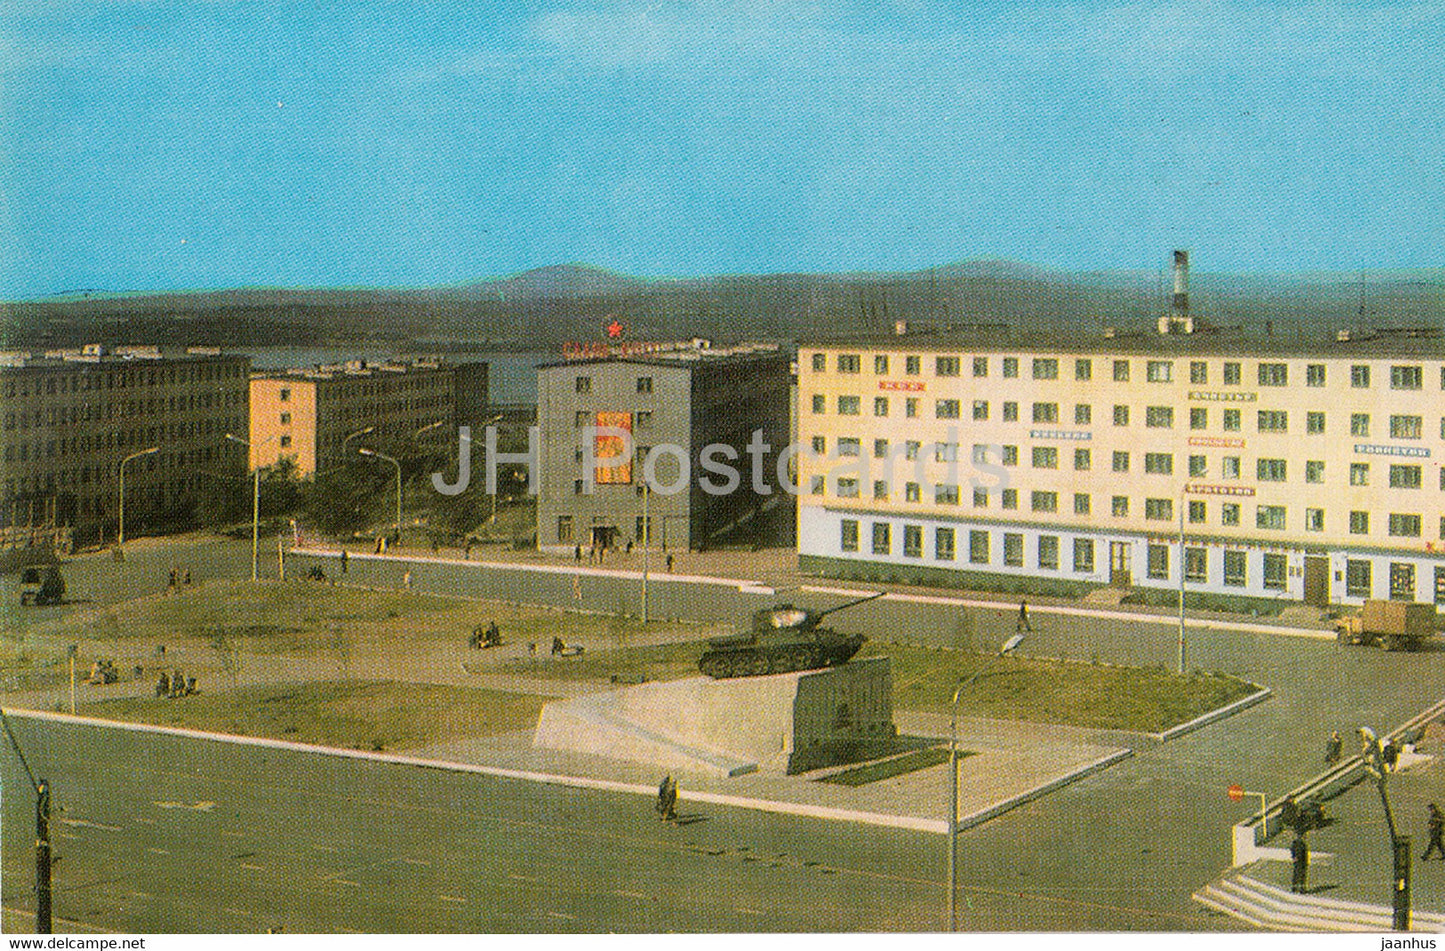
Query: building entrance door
{"points": [[1119, 575], [604, 537], [1317, 581]]}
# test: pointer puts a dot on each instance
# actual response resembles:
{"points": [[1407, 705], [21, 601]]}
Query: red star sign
{"points": [[614, 329]]}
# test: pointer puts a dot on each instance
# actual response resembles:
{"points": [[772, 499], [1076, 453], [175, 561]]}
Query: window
{"points": [[1198, 371], [980, 497], [880, 364], [1314, 471], [1157, 560], [849, 446], [978, 547], [1159, 510], [1159, 371], [285, 419], [1044, 501], [1197, 511], [980, 409], [980, 366], [285, 442], [1406, 427], [880, 449], [945, 409], [1314, 520], [849, 363], [1405, 526], [1273, 374], [847, 406], [880, 490], [882, 538], [880, 406], [1198, 417], [1049, 552], [1013, 549], [644, 417], [1229, 513], [1315, 374], [820, 362], [913, 541], [1359, 424], [564, 528], [577, 486], [1010, 367], [1231, 374], [1276, 569], [913, 365], [1009, 498], [1046, 412], [945, 366], [1159, 463], [285, 394], [945, 452], [1083, 414], [1405, 477], [1271, 470], [644, 384], [581, 418], [1121, 371], [910, 449], [1196, 565], [1121, 416], [1084, 554], [1045, 457], [1406, 378], [1269, 516], [1359, 523], [1046, 368], [1121, 461], [1359, 473], [820, 403], [1273, 421], [849, 540], [1084, 460], [820, 445], [1314, 423], [1358, 583], [943, 543], [1360, 377], [945, 495], [1159, 417], [1236, 566], [1198, 467], [1010, 412], [1082, 505], [1120, 506], [1084, 370], [583, 384], [910, 407], [847, 488], [912, 492]]}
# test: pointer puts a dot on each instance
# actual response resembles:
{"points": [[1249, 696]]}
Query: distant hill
{"points": [[544, 307]]}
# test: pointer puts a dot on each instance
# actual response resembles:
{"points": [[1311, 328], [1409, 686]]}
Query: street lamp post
{"points": [[120, 535], [1009, 646], [646, 539], [1182, 560], [378, 455], [492, 519], [255, 506], [359, 432]]}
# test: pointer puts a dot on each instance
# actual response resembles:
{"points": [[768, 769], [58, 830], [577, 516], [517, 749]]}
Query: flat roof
{"points": [[682, 357]]}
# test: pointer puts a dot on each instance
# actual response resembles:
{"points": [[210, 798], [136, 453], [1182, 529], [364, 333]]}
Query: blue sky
{"points": [[152, 145]]}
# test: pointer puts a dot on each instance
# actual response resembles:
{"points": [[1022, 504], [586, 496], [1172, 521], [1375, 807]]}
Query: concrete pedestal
{"points": [[783, 722]]}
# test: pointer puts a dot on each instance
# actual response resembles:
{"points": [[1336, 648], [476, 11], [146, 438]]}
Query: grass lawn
{"points": [[368, 715], [629, 665]]}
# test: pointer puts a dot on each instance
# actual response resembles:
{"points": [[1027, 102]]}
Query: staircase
{"points": [[1271, 908]]}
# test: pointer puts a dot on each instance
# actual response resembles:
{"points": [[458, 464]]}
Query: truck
{"points": [[1397, 625], [41, 584]]}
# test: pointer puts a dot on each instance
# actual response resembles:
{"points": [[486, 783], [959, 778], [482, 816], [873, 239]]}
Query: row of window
{"points": [[1402, 377], [116, 440], [23, 384], [640, 419], [583, 384]]}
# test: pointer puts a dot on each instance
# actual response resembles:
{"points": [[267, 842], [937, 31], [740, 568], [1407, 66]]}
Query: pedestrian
{"points": [[178, 684], [669, 564], [1437, 830], [1390, 755], [1299, 853], [188, 578], [577, 554], [667, 799], [171, 581], [344, 561], [1023, 623], [406, 579], [467, 554], [1332, 748], [557, 646], [163, 685], [629, 546]]}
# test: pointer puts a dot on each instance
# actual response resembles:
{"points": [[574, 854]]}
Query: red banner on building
{"points": [[612, 444]]}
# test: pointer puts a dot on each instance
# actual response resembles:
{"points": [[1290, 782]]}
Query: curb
{"points": [[999, 808], [1228, 710]]}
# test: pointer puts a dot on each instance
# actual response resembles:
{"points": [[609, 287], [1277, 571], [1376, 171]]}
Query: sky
{"points": [[156, 145]]}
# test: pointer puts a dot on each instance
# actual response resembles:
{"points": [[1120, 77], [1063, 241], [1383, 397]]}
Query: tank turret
{"points": [[783, 638]]}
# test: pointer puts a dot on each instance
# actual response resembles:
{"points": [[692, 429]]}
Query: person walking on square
{"points": [[344, 561], [1023, 623], [1437, 831], [1299, 853], [1332, 748]]}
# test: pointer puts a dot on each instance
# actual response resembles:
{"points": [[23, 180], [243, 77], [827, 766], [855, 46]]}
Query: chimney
{"points": [[1178, 321]]}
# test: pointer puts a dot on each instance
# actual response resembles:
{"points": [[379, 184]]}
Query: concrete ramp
{"points": [[777, 723]]}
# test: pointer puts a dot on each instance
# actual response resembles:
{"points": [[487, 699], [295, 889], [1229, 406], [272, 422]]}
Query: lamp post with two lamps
{"points": [[120, 535], [383, 456], [255, 503]]}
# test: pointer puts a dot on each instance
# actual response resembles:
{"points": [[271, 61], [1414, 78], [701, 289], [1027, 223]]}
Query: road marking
{"points": [[234, 835], [86, 823], [254, 868], [327, 848], [749, 911], [240, 912], [558, 914], [196, 806], [416, 862], [345, 881], [155, 851], [454, 898], [66, 835], [149, 822], [520, 878]]}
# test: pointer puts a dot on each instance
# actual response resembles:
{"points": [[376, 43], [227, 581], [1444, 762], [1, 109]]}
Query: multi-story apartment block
{"points": [[307, 413], [1290, 470], [675, 402], [71, 417]]}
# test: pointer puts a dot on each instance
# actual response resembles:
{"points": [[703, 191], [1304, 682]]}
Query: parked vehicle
{"points": [[41, 584], [1397, 625]]}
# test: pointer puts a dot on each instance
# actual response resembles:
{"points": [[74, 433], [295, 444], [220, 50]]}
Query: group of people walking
{"points": [[178, 578], [172, 685]]}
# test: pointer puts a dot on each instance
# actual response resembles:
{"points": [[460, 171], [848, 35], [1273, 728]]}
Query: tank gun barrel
{"points": [[872, 597]]}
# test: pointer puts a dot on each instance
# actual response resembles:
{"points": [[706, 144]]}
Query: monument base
{"points": [[783, 722]]}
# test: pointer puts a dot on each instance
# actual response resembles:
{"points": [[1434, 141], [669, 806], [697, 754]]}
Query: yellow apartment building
{"points": [[1290, 469]]}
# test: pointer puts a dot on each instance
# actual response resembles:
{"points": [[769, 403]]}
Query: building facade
{"points": [[72, 416], [675, 402], [1291, 471], [307, 414]]}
